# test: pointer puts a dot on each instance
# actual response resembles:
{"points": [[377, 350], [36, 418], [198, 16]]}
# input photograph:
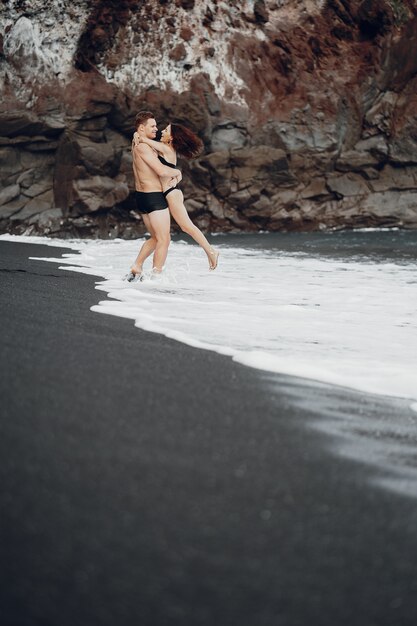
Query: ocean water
{"points": [[338, 308]]}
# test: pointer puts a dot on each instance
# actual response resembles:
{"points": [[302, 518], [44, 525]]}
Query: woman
{"points": [[177, 139]]}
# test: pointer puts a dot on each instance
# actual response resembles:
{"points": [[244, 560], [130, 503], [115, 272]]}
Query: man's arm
{"points": [[150, 158]]}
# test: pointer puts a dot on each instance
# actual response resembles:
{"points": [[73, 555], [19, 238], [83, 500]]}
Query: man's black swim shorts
{"points": [[147, 202]]}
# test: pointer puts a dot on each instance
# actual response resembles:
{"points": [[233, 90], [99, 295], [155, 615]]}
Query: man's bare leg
{"points": [[147, 248], [160, 223]]}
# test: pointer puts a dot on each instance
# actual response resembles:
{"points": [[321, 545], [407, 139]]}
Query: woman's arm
{"points": [[156, 145], [151, 160]]}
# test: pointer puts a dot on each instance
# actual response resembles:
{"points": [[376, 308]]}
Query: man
{"points": [[150, 201]]}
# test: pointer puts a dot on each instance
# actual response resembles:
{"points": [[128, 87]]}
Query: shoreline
{"points": [[120, 303], [264, 360], [147, 480]]}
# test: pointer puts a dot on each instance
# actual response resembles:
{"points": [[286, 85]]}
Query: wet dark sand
{"points": [[145, 482]]}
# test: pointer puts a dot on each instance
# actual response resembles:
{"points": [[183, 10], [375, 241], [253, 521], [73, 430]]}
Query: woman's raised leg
{"points": [[179, 213]]}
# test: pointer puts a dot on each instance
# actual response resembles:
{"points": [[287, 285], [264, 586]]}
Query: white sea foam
{"points": [[346, 322]]}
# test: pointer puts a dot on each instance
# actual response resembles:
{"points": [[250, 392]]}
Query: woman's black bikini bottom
{"points": [[169, 190]]}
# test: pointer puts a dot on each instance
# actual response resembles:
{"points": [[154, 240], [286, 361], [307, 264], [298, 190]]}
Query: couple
{"points": [[157, 193]]}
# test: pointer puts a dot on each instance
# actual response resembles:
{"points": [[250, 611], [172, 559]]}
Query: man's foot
{"points": [[134, 275], [213, 259], [156, 273]]}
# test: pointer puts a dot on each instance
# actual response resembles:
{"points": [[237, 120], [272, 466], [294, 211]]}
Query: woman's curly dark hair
{"points": [[185, 142]]}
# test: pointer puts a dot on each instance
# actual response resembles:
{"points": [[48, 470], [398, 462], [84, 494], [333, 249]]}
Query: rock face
{"points": [[308, 111]]}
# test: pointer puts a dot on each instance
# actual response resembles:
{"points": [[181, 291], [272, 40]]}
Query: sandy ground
{"points": [[147, 482]]}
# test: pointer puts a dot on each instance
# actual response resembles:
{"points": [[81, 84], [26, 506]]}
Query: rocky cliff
{"points": [[308, 111]]}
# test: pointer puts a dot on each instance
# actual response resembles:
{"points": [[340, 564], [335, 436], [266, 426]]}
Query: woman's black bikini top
{"points": [[164, 162]]}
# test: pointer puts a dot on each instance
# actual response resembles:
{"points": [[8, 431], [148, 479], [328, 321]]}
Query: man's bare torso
{"points": [[146, 179]]}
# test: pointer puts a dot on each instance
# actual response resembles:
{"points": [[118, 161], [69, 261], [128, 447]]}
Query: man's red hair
{"points": [[142, 117]]}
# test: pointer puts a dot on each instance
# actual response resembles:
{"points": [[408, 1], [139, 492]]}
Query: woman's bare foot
{"points": [[213, 258]]}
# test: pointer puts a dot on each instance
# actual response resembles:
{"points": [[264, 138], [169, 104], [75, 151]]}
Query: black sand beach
{"points": [[145, 482]]}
